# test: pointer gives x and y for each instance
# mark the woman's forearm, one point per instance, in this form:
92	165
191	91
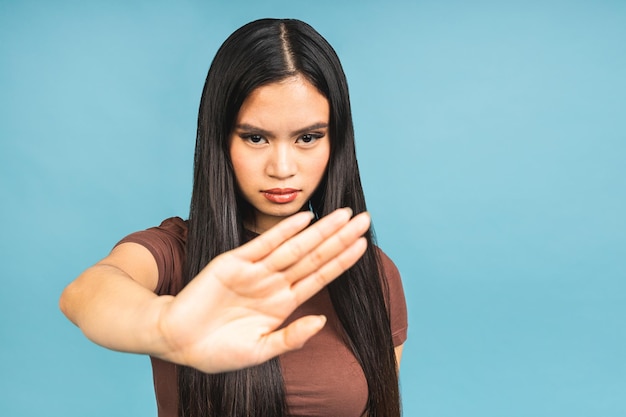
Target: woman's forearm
115	311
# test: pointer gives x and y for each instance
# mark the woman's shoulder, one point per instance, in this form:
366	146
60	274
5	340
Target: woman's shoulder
167	243
389	268
175	226
172	228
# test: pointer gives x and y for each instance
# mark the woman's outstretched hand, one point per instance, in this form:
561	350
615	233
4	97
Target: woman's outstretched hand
229	316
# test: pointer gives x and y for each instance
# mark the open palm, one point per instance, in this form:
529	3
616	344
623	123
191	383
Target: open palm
231	313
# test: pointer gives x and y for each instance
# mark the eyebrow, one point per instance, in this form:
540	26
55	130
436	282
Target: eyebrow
250	128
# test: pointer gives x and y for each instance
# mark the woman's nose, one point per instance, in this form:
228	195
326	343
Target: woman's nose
282	163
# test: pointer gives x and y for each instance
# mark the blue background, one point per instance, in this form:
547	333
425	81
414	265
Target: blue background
492	142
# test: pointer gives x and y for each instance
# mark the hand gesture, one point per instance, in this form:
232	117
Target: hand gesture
230	315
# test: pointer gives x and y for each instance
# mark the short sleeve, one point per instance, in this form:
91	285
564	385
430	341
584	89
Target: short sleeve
397	302
167	244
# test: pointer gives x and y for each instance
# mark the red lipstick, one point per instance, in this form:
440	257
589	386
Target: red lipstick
281	195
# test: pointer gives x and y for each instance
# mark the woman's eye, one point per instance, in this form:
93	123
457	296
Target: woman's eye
255	139
309	138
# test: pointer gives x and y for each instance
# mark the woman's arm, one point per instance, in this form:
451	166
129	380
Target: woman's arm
229	316
113	302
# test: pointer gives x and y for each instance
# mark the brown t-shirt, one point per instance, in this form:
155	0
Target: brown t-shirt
321	379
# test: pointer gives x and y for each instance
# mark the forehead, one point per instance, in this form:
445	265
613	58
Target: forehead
289	103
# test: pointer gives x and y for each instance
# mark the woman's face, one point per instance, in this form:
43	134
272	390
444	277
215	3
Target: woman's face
279	148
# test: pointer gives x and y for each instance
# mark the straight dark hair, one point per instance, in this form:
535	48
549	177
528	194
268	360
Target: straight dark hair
262	52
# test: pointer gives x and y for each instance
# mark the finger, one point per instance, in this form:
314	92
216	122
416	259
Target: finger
329	248
303	243
312	284
259	247
293	336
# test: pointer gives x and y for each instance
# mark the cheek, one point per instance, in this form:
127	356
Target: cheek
240	168
322	164
323	159
318	166
243	173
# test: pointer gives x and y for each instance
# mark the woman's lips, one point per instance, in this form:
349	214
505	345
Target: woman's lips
281	195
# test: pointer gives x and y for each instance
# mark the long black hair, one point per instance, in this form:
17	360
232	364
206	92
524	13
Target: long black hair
262	52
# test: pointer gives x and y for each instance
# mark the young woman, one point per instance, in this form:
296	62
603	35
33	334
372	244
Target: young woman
244	308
